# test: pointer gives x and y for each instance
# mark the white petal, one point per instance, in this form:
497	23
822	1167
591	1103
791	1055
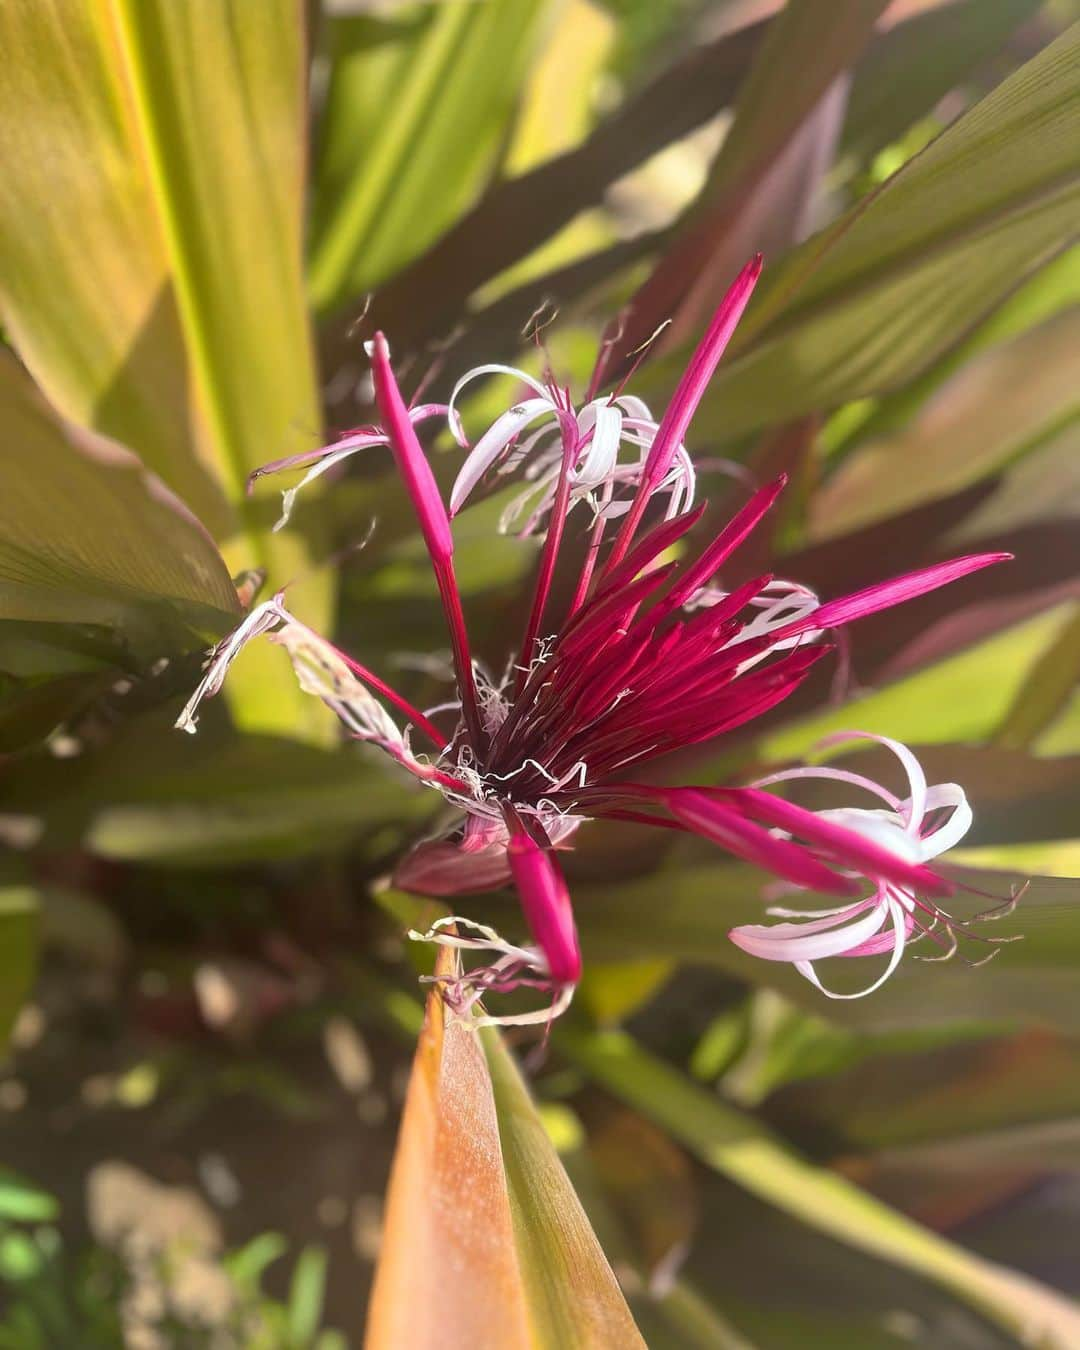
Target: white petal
896	913
492	445
602	452
912	767
350	446
948	835
452	415
809	941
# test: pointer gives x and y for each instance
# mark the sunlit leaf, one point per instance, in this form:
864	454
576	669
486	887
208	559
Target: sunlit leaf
1047	689
746	1151
480	1207
962	698
150	230
89	538
417	107
875	297
518	215
998	408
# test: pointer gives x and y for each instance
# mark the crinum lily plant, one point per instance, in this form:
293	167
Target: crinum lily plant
650	656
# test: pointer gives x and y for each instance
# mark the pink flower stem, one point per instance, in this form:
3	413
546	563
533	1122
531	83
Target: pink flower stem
549	557
459	642
684	402
434	522
391	695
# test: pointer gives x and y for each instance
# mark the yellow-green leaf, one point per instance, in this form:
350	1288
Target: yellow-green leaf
418	104
89	537
150	246
743	1149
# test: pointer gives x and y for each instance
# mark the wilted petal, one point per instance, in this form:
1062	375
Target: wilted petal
439	867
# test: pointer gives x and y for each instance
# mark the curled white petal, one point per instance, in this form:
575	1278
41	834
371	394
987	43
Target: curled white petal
492	445
493	368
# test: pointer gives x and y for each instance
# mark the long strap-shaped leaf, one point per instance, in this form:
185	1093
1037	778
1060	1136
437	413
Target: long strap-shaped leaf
485	1243
874	299
417	107
150	241
740	1147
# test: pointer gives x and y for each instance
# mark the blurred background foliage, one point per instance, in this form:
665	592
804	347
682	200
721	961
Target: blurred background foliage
204	208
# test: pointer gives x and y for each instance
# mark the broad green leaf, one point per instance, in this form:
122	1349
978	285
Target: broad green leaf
1003	405
769	169
156	795
877	296
915	64
480	1212
88	537
151	250
18	951
746	1151
518	215
963	698
1047	689
418	105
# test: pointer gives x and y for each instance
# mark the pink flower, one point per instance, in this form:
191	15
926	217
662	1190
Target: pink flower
649	658
915	830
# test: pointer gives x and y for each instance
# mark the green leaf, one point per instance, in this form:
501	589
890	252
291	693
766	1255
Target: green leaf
417	109
767	173
1005	404
88	537
915	64
1046	691
155	795
746	1151
877	296
963	698
157	294
480	1209
517	215
23	1202
307	1290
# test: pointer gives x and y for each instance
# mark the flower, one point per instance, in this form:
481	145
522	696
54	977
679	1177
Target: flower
915	830
650	657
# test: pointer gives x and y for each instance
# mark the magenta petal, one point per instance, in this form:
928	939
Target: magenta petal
684	402
847	847
699	372
848	608
409	455
731	830
726	542
441	868
545	901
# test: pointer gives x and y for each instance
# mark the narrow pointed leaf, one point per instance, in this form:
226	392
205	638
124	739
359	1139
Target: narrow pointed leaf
150	241
875	298
481	1209
89	537
417	107
741	1148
